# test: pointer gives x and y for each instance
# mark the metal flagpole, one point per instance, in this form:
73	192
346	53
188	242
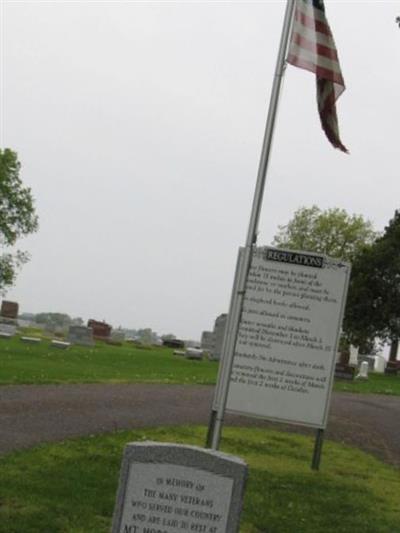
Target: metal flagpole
254	219
225	349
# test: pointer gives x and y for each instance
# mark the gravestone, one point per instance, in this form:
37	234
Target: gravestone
392	368
353	355
31	340
172	488
101	330
208	341
60	344
194	353
8	329
344	372
363	374
219	332
80	335
379	364
9	309
117	338
173	343
369	359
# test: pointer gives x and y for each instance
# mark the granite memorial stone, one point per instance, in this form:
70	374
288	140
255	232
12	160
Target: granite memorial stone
9	309
392	368
172	488
9	330
363	374
60	344
117	338
353	355
194	353
379	364
207	341
219	332
344	371
31	340
173	343
80	335
101	330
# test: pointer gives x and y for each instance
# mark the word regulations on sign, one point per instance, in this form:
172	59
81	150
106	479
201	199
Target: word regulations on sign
285	353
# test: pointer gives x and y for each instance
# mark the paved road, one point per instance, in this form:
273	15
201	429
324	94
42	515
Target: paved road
31	414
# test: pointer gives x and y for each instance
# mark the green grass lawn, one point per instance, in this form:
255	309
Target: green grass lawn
28	363
70	487
22	363
376	384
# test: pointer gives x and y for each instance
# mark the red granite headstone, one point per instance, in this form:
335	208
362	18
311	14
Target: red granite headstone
101	330
9	309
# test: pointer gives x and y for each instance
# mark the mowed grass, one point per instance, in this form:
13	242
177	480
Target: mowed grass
22	363
70	487
376	384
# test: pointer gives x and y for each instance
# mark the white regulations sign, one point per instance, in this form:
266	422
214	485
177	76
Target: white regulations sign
285	354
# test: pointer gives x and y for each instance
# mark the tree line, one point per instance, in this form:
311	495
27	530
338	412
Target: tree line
373	303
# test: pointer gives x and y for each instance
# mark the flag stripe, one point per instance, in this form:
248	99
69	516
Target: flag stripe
299	55
310	22
312	11
319	70
319	50
321	38
312	48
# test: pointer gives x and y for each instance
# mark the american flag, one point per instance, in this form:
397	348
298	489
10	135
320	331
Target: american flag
312	48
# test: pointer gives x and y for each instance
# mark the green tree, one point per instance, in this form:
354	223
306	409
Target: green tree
53	319
17	216
373	304
332	232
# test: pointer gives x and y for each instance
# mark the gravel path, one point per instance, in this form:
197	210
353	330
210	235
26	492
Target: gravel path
31	414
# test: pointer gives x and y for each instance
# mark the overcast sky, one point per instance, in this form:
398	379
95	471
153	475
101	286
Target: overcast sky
139	127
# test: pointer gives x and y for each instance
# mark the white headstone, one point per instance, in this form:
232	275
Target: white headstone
171	488
31	340
193	353
10	329
379	364
60	344
363	374
353	355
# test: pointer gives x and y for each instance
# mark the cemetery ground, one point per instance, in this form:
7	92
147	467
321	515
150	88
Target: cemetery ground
42	363
70	486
